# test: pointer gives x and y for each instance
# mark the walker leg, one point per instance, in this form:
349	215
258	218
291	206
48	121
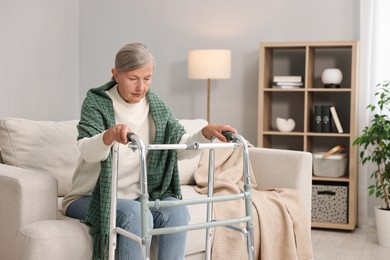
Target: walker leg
210	192
145	249
114	183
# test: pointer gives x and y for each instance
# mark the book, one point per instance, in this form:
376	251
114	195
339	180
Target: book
287	78
336	119
317	118
325	111
285	86
292	84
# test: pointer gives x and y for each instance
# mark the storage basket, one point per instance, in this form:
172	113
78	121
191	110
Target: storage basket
330	203
330	164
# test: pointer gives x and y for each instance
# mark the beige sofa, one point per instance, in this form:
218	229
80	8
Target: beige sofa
38	159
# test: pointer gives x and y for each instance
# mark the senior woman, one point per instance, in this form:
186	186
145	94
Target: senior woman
126	104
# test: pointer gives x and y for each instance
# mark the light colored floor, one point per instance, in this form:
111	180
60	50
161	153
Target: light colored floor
360	244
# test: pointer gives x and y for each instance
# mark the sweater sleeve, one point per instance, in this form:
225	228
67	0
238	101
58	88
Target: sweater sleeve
93	149
197	137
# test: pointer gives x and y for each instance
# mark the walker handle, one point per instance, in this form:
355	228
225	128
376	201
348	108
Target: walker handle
228	135
129	135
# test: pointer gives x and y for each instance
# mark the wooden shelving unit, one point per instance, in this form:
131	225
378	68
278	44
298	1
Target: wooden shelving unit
309	59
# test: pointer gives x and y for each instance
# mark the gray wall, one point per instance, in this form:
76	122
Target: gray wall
39	59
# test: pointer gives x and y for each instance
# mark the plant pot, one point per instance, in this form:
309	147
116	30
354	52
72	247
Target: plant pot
382	218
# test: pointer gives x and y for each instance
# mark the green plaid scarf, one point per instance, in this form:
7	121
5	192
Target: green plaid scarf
163	178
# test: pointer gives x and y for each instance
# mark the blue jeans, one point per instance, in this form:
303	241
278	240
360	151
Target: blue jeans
171	246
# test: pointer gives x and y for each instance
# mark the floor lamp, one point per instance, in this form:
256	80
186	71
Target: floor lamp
209	64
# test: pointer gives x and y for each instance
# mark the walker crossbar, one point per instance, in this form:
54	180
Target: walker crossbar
147	232
170	230
158	203
191	146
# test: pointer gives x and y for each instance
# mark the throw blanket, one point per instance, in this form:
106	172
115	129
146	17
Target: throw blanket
163	178
281	226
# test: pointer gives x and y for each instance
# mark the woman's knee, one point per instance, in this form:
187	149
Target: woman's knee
184	213
129	215
178	216
78	208
171	216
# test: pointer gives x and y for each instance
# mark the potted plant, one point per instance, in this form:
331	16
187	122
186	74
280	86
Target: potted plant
375	148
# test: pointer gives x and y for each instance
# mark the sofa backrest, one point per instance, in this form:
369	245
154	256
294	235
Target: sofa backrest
50	147
47	147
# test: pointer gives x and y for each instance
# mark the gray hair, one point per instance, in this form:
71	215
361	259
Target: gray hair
133	56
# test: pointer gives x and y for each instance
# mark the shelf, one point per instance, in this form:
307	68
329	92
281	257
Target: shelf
284	90
330	90
308	60
326	225
307	134
283	133
326	90
328	134
329	179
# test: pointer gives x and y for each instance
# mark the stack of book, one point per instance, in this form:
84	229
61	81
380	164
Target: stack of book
287	82
323	118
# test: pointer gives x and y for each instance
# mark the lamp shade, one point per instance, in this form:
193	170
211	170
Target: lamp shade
209	64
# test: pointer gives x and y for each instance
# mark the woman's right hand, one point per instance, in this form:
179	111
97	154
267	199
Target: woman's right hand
116	133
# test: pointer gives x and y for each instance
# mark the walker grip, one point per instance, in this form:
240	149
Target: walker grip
228	135
129	135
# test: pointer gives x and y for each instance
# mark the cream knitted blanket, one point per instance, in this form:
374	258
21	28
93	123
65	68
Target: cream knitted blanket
281	225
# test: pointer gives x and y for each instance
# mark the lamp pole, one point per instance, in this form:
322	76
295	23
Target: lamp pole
208	99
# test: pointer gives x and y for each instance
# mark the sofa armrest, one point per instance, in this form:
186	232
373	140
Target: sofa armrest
25	197
275	168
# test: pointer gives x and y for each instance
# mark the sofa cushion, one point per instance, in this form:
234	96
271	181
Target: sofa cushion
68	239
187	167
45	146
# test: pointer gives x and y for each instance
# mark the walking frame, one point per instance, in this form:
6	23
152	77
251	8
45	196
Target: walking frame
146	232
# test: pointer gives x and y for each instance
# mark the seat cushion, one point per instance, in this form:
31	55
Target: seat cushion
45	146
56	239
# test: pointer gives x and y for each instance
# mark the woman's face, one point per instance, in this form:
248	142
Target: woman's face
133	85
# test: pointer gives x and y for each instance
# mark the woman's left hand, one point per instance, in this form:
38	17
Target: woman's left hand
216	130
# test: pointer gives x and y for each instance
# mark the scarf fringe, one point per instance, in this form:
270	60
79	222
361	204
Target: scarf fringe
100	247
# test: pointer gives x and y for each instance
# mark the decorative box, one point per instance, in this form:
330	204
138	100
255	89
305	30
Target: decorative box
330	203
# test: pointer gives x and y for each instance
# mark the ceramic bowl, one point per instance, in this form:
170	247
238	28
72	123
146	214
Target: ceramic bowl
285	125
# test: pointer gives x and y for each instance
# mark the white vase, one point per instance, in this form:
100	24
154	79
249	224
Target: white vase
382	218
331	77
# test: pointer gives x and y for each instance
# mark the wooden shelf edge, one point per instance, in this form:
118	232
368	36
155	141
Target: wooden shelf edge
326	90
333	225
328	134
315	44
330	179
283	133
299	133
284	89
